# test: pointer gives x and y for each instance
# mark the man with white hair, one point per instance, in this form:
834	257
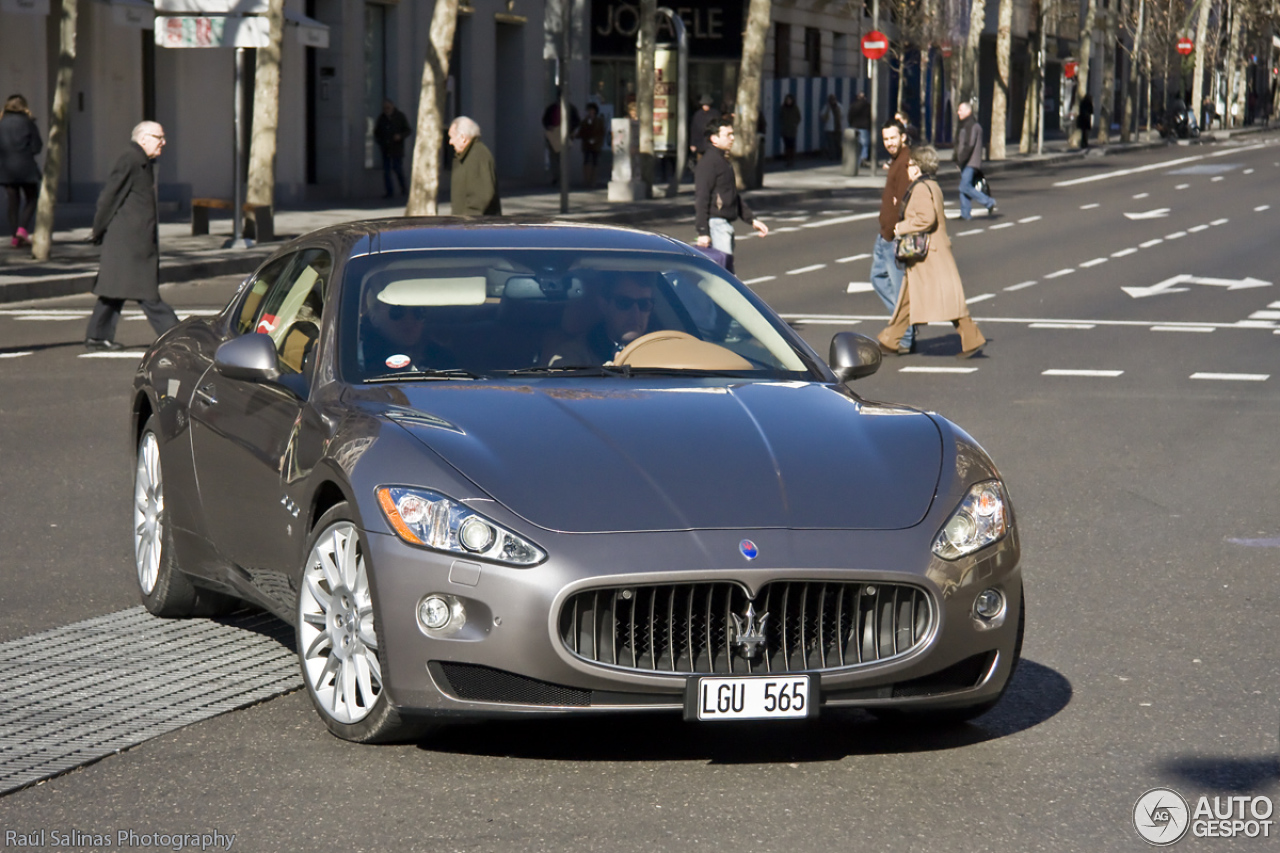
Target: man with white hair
126	225
473	183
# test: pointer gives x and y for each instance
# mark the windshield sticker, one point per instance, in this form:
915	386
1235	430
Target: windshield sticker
395	362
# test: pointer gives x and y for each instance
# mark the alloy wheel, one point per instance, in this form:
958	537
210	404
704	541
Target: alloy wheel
148	513
335	627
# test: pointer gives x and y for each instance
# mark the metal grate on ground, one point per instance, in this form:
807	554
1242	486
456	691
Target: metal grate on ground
75	694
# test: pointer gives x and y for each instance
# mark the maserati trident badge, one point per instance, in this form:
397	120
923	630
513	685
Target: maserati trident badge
749	633
748	549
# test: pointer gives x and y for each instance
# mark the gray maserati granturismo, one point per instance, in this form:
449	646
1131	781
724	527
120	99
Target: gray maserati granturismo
508	469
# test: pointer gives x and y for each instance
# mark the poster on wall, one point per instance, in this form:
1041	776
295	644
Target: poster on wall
665	91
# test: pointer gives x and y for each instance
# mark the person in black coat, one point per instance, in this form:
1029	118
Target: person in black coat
390	132
1084	119
716	203
126	225
19	174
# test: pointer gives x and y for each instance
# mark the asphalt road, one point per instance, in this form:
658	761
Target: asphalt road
1145	490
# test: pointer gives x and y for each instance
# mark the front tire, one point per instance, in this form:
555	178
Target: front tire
338	645
165	590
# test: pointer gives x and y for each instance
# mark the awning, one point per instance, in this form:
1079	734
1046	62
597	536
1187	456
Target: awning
311	33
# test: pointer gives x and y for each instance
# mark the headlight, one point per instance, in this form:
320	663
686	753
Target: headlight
981	518
423	517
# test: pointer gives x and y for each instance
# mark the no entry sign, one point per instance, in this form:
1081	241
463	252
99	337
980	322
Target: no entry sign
1186	46
875	45
1069	69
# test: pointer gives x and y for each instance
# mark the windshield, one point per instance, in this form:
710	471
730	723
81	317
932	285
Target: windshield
480	313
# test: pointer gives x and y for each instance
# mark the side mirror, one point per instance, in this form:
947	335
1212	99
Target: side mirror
853	356
249	357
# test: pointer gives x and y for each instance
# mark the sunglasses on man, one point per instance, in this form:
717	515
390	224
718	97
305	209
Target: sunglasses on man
626	303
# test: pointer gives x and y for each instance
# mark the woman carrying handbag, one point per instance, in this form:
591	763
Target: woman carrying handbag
931	289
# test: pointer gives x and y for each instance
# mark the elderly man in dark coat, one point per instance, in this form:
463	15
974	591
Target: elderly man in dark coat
126	226
473	183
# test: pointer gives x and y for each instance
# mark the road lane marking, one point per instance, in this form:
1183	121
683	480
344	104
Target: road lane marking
859	287
981	297
1182	186
1220	222
1261	208
838	319
971	231
1089	206
1060	273
1248	171
761	280
841	220
1274	305
1030	219
1233	377
1001	225
1175	235
810	268
784	230
1124	252
1196	229
938	370
1182	328
125	354
1021	286
1150	243
1094	262
1142	195
852	258
1062	326
1265	315
1106	374
1217	178
1118	173
16	354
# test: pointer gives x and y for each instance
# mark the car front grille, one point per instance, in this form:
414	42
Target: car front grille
698	627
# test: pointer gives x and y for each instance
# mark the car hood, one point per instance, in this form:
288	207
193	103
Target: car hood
629	456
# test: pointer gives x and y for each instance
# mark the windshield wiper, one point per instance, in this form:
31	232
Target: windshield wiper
572	370
426	373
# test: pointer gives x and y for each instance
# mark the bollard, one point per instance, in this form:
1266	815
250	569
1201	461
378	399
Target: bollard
851	154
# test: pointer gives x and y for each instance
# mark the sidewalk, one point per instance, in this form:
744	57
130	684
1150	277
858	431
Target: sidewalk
74	262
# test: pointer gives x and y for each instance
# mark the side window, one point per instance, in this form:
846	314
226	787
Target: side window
293	306
262	282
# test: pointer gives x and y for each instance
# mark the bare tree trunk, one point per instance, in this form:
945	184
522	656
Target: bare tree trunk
897	93
924	93
42	239
644	86
745	151
1197	81
1000	92
1030	111
969	86
935	129
1106	105
1082	71
1235	69
424	179
266	111
1131	95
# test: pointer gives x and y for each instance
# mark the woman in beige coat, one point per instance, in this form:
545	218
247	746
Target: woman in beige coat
931	290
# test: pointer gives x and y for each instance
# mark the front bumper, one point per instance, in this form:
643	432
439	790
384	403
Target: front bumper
509	657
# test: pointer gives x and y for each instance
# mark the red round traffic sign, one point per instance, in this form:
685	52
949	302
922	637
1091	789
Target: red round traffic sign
1186	46
875	44
1069	69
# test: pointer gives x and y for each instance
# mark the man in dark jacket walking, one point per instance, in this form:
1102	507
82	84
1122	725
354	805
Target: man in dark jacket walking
390	132
716	200
126	225
473	183
968	155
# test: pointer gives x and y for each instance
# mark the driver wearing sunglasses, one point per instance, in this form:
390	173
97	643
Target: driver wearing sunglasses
624	302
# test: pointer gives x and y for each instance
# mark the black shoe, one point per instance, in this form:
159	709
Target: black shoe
99	344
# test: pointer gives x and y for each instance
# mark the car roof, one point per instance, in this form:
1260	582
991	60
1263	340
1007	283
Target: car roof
401	234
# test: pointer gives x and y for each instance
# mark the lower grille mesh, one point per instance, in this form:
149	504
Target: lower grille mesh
696	628
484	684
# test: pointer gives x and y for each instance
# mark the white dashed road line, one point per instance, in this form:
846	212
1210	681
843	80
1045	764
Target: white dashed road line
1155	166
810	268
1265	315
1030	219
917	369
1147	245
1196	229
859	287
126	354
1220	222
1021	286
1093	263
761	280
1062	326
981	297
1142	195
1261	208
1217	178
1123	252
1089	206
851	258
1182	187
970	231
1248	171
1107	374
1061	273
16	354
1233	377
1175	235
1001	225
1182	328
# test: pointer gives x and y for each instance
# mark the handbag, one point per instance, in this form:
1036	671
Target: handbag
911	248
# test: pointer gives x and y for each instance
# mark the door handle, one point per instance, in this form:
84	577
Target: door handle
208	394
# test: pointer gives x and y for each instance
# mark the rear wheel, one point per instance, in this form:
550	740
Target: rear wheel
165	590
338	646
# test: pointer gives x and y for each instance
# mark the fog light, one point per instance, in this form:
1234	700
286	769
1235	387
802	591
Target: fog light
989	603
434	612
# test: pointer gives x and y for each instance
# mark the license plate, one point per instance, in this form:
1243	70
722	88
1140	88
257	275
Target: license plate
750	697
